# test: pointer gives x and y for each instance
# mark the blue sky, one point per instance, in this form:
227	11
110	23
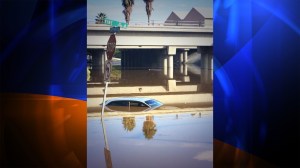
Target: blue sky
162	9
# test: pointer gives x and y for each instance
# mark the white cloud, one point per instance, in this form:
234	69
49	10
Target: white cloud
206	155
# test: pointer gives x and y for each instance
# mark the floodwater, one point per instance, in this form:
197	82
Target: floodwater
152	75
159	140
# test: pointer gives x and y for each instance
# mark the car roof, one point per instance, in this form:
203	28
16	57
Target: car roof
140	99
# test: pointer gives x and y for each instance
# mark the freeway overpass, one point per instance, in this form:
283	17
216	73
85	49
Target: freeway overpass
151	36
153	45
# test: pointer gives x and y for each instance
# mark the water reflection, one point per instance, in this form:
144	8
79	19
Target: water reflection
151	141
128	123
186	74
107	154
196	114
149	127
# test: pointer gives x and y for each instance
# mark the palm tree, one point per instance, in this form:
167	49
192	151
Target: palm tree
149	127
127	4
128	123
100	18
148	9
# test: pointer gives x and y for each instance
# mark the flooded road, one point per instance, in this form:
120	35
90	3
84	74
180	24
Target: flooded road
138	67
140	77
159	140
174	135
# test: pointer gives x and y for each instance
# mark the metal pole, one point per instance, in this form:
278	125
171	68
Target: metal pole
107	154
104	98
104	133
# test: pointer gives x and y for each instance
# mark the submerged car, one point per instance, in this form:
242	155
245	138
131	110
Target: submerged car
131	104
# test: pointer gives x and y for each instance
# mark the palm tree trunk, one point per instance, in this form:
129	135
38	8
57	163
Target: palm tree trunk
127	4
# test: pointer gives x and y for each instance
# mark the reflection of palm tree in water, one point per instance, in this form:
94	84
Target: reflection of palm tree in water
149	127
128	123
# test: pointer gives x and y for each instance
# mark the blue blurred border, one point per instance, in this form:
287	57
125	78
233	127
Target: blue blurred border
42	83
256	77
43	47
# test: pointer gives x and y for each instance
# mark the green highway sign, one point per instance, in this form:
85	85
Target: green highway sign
114	23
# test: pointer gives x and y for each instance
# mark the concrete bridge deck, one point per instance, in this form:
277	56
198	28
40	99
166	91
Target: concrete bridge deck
151	36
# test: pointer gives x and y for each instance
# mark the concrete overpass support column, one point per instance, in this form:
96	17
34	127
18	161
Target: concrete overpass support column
181	57
96	71
206	68
170	67
183	67
171	82
210	62
201	52
103	60
181	63
165	66
206	57
184	77
185	70
185	56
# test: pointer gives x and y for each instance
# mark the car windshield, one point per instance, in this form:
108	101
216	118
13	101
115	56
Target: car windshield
153	103
118	103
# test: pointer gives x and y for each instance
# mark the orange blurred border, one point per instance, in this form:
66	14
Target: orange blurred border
42	131
226	155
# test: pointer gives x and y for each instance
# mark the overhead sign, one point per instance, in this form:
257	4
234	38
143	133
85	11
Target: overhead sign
108	67
114	30
114	23
111	47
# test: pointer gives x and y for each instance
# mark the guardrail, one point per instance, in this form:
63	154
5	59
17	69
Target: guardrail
161	23
183	23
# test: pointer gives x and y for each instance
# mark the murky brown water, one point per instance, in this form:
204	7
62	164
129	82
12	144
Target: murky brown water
152	77
168	141
182	140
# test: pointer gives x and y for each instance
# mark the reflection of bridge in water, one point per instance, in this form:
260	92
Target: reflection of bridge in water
167	63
